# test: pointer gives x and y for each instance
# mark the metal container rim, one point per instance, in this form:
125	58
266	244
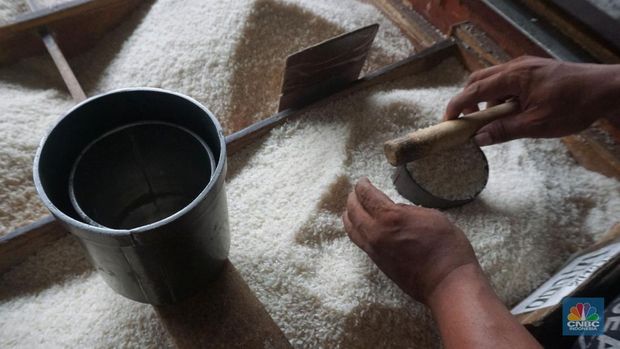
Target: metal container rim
437	201
219	169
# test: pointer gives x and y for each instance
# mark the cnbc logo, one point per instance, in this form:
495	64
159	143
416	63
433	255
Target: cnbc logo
583	316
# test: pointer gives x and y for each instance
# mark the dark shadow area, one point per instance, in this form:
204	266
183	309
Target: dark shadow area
313	236
396	114
332	204
89	66
335	199
52	265
271	33
380	326
39	71
238	160
448	72
33	73
226	314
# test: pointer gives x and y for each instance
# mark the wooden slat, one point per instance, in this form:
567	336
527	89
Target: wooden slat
573	30
77	26
43	16
59	59
592	154
585	24
420	33
473	40
446	13
63	67
16	246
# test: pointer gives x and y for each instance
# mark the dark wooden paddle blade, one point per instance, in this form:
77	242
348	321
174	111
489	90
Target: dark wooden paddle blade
318	71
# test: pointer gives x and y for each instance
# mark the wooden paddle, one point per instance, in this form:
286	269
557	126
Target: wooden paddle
324	68
444	135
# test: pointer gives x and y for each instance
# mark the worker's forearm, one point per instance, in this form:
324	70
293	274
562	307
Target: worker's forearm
470	315
611	74
602	86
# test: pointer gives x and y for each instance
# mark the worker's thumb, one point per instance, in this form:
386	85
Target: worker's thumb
499	131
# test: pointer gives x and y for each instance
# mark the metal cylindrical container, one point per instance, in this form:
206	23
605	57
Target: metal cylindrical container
137	175
413	191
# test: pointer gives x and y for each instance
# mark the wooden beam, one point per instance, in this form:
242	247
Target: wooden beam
592	153
585	24
417	29
16	246
472	40
42	16
59	59
77	25
445	14
63	67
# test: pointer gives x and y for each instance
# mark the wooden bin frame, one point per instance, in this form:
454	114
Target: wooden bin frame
481	40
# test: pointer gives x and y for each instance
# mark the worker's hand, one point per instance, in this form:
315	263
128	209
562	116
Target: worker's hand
416	247
556	98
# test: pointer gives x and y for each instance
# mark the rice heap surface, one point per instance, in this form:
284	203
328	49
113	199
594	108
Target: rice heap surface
610	7
11	8
287	191
458	173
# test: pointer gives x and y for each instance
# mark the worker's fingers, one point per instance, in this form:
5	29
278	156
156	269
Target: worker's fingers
503	130
372	199
494	102
470	110
484	73
354	234
359	218
494	87
348	226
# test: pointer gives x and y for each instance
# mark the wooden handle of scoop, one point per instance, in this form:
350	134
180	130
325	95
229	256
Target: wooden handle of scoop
447	134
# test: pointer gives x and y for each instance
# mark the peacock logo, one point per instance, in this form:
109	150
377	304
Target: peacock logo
583	316
583	312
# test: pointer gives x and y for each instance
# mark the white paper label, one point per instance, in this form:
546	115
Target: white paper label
567	280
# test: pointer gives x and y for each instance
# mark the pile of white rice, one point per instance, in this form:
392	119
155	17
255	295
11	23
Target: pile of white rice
287	191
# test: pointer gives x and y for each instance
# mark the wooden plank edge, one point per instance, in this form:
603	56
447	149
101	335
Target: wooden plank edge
474	41
49	15
412	25
63	67
588	25
446	13
477	49
16	246
67	75
592	155
573	30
